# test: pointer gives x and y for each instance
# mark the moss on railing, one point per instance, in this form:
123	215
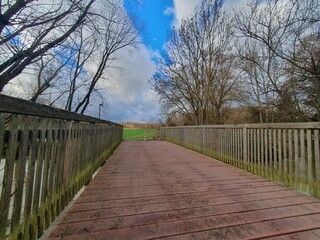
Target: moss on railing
44	162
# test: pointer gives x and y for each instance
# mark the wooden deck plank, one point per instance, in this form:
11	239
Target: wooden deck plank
156	190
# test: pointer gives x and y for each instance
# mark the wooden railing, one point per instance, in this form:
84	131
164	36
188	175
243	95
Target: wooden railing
288	153
46	157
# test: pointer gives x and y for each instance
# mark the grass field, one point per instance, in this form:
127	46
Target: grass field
138	134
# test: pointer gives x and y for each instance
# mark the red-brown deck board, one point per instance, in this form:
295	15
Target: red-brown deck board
158	190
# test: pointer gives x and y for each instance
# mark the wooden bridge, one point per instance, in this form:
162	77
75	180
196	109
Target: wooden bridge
156	189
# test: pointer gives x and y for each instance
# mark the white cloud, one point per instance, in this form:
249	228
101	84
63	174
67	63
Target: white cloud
183	9
128	93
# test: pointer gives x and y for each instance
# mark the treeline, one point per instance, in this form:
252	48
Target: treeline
56	52
259	63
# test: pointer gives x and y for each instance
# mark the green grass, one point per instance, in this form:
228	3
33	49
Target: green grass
138	134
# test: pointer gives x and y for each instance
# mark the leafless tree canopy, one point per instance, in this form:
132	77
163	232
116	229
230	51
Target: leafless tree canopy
195	78
30	28
68	45
261	63
280	56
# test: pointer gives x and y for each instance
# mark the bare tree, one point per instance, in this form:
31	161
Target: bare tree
115	31
84	45
48	70
68	73
303	86
30	28
195	77
282	26
287	31
262	75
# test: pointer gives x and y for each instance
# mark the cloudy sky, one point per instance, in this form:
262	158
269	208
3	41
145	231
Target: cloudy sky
129	96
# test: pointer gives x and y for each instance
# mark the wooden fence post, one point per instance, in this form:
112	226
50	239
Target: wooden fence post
245	147
203	139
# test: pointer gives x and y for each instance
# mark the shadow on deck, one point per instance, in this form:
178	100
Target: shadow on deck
158	190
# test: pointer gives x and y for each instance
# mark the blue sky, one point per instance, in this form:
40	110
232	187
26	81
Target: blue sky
155	17
129	96
158	16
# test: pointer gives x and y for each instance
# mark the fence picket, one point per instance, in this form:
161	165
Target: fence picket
317	163
302	161
310	166
279	166
296	158
46	161
288	153
285	156
7	182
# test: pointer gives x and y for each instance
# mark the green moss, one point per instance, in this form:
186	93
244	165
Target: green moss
33	225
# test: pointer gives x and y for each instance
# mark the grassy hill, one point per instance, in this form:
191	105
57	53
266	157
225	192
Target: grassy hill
139	134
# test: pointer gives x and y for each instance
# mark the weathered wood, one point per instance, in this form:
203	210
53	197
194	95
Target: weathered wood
290	157
285	156
27	231
252	167
295	125
296	158
255	152
259	151
309	162
233	146
270	172
8	177
266	155
280	152
20	165
19	106
287	152
38	181
273	160
302	161
245	148
238	147
2	132
229	146
43	219
317	162
47	161
184	196
203	139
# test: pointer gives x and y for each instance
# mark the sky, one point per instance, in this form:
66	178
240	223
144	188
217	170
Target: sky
129	97
127	94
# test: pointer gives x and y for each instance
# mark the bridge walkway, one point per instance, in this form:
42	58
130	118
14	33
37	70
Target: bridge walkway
158	190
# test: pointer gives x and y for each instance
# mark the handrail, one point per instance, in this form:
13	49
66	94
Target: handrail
46	156
297	125
23	107
284	152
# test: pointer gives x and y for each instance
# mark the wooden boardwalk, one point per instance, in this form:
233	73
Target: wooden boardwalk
158	190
